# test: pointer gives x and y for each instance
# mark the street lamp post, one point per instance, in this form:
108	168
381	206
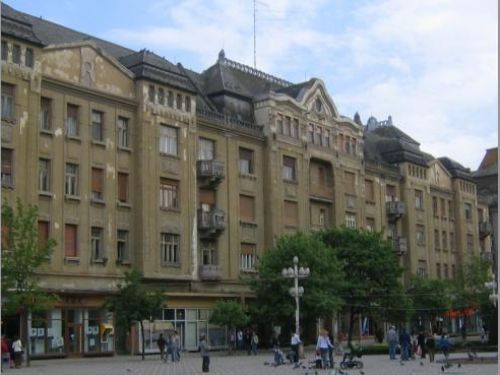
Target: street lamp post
296	273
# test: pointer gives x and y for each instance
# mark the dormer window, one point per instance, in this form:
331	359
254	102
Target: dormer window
318	105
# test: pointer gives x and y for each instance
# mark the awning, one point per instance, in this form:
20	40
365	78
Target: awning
106	328
158	325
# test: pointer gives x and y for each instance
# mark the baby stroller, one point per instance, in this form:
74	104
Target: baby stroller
348	360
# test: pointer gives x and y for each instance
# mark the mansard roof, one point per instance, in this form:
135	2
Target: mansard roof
47	32
239	79
147	64
18	29
456	169
297	91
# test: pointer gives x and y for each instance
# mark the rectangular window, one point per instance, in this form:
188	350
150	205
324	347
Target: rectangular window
322	218
247	260
390	193
206	149
420	234
151	93
97	187
16	54
468	211
291	214
436	239
8	101
443	207
247	208
295	128
317	135
326	138
206	198
470	242
419	199
208	253
5	50
289	169
45	113
310	133
70	241
97	126
187	104
435	206
178	101
96	241
122	245
370	224
71	180
72	120
350	220
44	175
453	271
287	126
279	123
29	58
422	268
452	241
480	215
168	140
246	161
169	193
451	211
446	275
7	167
169	248
123	187
161	96
444	239
170	99
438	270
43	232
349	182
369	191
123	132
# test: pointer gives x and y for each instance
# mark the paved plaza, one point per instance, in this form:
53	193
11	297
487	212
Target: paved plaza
240	364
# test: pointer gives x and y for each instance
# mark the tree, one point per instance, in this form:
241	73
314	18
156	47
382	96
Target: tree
134	303
273	302
373	273
22	256
230	314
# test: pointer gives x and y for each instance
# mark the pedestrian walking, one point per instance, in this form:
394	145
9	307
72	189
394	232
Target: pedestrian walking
405	342
239	339
444	345
176	346
323	345
248	341
294	343
161	345
421	344
430	343
392	341
5	354
204	353
254	342
331	350
17	348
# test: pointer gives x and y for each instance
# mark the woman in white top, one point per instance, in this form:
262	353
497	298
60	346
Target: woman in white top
17	348
323	345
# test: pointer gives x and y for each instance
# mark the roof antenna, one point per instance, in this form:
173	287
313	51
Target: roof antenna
254	39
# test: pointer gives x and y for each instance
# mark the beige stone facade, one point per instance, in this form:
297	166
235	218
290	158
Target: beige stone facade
163	171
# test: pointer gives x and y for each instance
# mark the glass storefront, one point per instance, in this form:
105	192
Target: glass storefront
70	331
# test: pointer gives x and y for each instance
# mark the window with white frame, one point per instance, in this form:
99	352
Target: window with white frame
169	248
43	175
420	234
248	256
72	120
169	193
8	101
168	140
208	253
246	161
71	180
122	245
97	126
123	132
45	113
206	149
350	220
97	243
419	199
289	168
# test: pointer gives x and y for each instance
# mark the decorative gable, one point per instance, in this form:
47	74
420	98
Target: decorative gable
317	101
86	65
439	176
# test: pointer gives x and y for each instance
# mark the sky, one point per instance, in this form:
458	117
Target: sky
430	64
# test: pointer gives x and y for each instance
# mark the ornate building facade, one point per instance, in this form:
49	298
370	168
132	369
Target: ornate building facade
138	163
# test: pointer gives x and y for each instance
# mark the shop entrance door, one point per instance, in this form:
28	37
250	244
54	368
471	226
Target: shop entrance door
74	339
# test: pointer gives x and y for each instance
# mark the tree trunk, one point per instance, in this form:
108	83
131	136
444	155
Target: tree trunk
143	342
26	335
351	327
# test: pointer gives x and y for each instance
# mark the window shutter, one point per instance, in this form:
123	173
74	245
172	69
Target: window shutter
97	183
43	232
7	89
291	213
6	161
349	180
207	197
72	111
247	248
122	187
247	208
70	240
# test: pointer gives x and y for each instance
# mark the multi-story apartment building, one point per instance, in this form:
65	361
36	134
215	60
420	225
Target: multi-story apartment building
137	163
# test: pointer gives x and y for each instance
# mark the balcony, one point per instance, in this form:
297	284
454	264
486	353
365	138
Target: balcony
209	272
400	245
211	222
210	172
395	210
485	229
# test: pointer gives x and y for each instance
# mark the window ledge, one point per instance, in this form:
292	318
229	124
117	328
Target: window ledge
101	261
98	143
248	223
170	209
125	149
123	205
98	201
74	198
249	176
251	271
173	265
11	120
72	259
293	182
371	203
123	262
74	138
46	194
172	156
47	132
8	186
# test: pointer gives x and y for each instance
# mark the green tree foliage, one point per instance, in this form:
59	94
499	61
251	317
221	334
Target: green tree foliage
230	314
134	303
430	297
22	256
372	270
323	287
